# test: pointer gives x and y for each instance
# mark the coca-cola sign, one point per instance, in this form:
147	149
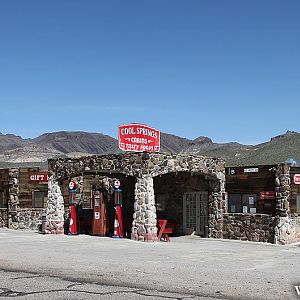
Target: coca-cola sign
139	138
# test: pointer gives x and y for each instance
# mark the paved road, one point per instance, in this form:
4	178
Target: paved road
186	266
33	286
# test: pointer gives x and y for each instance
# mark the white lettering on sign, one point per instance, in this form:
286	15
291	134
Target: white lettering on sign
251	170
139	130
38	177
139	138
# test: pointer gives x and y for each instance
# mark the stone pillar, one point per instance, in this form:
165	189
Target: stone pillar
13	200
144	217
282	218
55	208
216	207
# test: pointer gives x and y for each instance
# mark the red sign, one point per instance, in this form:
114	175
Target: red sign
267	195
297	178
38	177
139	138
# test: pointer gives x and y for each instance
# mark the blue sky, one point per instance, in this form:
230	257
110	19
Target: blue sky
229	70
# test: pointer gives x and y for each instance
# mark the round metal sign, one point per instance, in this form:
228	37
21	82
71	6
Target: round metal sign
72	185
117	183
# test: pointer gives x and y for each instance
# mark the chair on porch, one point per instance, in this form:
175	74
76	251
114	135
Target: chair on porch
165	227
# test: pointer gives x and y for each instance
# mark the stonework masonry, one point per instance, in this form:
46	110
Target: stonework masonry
30	219
249	227
287	226
55	208
143	166
17	218
144	218
3	218
13	198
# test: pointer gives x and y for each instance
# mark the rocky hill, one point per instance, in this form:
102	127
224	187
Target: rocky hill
14	150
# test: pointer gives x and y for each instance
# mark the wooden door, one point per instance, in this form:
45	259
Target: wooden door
195	212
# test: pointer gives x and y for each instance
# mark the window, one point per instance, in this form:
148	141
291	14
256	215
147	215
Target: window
3	201
235	203
38	199
242	203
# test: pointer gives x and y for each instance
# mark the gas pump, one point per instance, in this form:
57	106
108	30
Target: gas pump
73	214
99	226
73	220
118	223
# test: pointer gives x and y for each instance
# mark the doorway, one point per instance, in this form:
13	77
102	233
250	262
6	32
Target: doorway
195	212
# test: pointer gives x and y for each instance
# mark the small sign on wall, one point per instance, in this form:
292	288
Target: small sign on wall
267	195
38	177
251	200
297	178
245	209
251	170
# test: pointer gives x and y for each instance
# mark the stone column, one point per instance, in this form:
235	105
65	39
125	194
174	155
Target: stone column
55	208
282	218
216	207
144	217
13	200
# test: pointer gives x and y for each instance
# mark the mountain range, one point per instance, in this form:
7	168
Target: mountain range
16	151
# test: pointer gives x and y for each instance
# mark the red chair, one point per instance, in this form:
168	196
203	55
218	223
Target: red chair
164	228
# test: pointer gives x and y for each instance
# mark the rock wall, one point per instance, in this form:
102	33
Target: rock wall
144	218
217	206
30	219
287	230
294	229
3	217
249	227
13	198
55	208
282	188
136	164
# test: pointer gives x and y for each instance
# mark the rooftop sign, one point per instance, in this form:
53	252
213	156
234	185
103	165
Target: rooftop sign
139	138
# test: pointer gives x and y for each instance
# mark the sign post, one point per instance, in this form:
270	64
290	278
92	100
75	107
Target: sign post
139	138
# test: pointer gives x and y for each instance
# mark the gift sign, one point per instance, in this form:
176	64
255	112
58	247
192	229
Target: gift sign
139	138
38	177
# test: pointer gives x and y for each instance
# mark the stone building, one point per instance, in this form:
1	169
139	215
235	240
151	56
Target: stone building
260	203
23	197
190	189
263	204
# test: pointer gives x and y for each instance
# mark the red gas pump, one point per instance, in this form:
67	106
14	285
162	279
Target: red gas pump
73	220
118	223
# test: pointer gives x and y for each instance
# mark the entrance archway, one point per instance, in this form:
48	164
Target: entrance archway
183	198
